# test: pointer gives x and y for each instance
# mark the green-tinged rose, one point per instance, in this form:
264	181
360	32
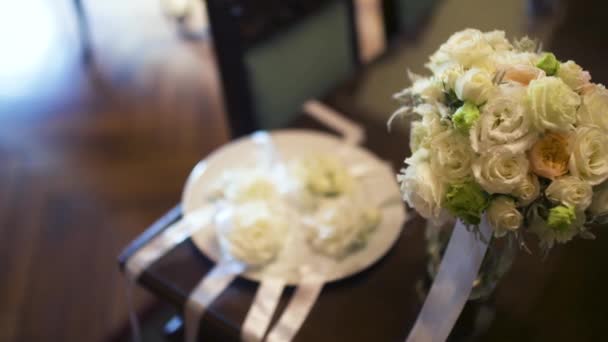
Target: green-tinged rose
474	85
465	117
467	201
594	109
324	176
552	104
561	217
548	63
589	154
573	75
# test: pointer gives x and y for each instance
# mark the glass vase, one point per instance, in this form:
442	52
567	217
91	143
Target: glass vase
498	260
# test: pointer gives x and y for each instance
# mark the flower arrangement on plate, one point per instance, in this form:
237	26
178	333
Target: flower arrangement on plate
503	130
280	205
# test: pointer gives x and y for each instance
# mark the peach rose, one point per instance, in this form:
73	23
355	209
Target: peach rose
522	73
549	156
587	88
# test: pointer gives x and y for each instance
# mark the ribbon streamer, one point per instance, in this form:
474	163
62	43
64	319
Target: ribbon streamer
216	280
261	311
207	290
452	286
299	307
156	248
164	242
351	132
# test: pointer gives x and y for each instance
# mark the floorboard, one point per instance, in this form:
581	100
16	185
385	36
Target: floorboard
88	159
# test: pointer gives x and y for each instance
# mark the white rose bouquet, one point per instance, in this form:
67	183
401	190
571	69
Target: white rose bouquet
509	132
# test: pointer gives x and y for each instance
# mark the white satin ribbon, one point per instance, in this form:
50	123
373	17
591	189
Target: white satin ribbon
207	290
299	307
351	132
262	309
452	286
165	241
156	248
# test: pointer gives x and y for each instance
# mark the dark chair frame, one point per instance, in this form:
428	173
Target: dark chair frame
230	48
393	30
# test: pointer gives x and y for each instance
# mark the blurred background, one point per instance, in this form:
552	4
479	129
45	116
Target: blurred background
105	106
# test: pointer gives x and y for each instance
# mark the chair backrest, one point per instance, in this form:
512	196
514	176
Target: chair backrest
275	55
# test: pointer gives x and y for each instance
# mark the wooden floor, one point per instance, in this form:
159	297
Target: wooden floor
88	159
89	156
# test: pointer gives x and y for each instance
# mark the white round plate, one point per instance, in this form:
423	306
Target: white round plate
379	187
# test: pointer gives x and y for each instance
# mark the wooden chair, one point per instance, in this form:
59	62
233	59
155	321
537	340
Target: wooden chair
273	55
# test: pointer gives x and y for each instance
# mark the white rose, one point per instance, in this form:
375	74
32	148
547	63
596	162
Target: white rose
500	170
599	204
504	121
506	59
497	40
341	227
439	62
589	154
251	232
573	75
426	110
594	110
324	175
552	104
419	136
571	191
525	44
451	156
429	124
422	189
243	185
450	74
504	216
466	47
527	191
475	85
432	115
429	89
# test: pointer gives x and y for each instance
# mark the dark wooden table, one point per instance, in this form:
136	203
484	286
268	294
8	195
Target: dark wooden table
562	298
389	288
